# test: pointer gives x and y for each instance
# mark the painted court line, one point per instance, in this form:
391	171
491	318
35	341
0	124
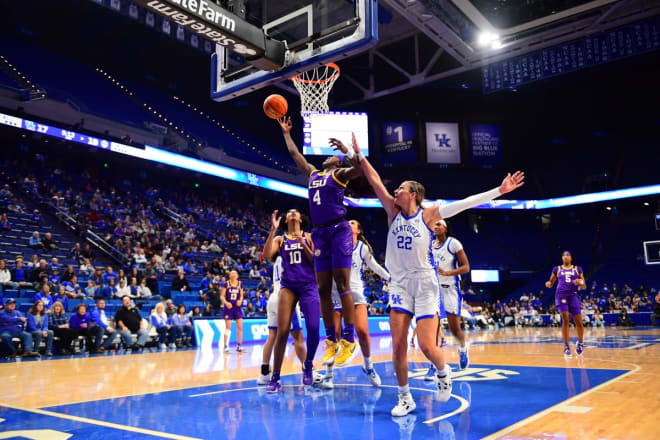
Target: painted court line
573	409
634	347
101	423
547	411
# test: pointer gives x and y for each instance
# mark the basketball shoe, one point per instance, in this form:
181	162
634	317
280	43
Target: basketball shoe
347	351
331	351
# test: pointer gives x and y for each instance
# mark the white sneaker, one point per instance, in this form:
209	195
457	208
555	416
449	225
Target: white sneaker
162	346
374	378
227	349
327	382
263	379
172	345
405	406
444	385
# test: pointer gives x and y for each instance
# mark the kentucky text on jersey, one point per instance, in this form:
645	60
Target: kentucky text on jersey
410	229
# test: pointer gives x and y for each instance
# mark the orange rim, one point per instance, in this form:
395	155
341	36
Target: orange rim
334	76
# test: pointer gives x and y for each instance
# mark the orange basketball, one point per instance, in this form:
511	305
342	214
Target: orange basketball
275	106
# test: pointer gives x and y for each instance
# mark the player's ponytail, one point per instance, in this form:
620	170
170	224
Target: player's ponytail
362	238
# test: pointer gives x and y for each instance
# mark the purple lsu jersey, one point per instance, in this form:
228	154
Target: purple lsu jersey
326	197
565	279
296	268
233	293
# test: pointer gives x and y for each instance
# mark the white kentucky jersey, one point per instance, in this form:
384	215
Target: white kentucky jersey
444	258
277	273
362	257
409	247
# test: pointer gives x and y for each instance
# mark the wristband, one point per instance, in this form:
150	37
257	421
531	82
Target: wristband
360	156
350	154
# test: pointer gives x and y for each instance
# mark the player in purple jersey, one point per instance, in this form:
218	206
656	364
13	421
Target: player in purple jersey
333	243
232	299
571	279
298	285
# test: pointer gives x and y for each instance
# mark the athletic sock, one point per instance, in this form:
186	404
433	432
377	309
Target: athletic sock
265	369
328	370
404	389
348	333
275	377
443	373
330	334
367	363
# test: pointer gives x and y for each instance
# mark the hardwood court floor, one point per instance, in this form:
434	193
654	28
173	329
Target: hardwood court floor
519	386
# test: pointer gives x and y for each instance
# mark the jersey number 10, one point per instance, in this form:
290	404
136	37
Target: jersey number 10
295	257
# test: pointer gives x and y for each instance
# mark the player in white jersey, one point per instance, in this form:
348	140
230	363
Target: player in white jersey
414	286
271	313
362	256
451	262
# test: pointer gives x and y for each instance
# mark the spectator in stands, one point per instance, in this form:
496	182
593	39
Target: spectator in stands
109	274
5	192
109	290
143	290
195	312
129	321
100	319
180	283
87	252
598	320
98	277
624	318
171	266
161	323
190	267
36	217
249	311
12	323
182	326
33	263
61	296
54	263
5	225
260	303
76	253
55	277
20	275
123	290
170	309
5	277
35	241
82	322
134	288
44	296
254	273
37	325
86	268
16	206
655	316
72	288
150	276
48	244
58	322
139	258
90	290
68	273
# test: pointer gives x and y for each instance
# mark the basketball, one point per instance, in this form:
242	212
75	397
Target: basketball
275	106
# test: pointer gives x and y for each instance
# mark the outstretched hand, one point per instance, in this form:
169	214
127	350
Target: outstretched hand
356	147
275	220
512	182
338	145
285	124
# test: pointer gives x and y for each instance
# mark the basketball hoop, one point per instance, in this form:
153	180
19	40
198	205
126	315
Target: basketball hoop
314	87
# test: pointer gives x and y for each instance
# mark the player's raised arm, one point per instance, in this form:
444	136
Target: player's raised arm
376	183
511	182
305	167
346	174
272	245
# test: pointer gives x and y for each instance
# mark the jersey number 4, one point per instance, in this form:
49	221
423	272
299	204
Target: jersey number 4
317	197
404	242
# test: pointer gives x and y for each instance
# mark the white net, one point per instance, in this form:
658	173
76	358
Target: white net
314	87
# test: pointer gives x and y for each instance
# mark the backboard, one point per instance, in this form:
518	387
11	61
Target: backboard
315	33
